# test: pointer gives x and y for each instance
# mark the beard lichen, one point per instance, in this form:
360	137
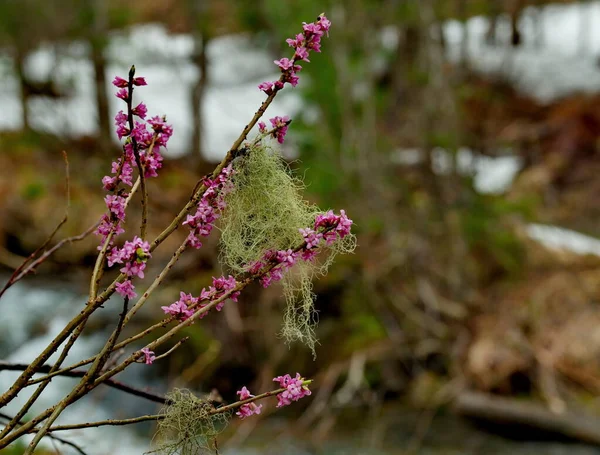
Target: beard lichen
188	426
264	212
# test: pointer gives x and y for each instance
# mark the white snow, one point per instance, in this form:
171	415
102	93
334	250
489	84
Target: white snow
558	56
491	174
232	97
564	239
26	307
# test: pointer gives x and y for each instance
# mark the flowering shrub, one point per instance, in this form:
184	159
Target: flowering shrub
251	182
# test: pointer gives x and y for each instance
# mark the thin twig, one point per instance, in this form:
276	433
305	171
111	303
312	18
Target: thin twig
6	366
31	267
136	153
23	270
157	281
170	351
224	163
51	436
146	418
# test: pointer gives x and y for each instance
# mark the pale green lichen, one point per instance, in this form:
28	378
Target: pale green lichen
265	212
188	427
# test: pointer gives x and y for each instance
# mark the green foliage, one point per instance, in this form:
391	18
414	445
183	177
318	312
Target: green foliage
33	190
484	230
188	427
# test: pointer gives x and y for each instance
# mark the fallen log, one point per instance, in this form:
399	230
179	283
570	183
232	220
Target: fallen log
582	427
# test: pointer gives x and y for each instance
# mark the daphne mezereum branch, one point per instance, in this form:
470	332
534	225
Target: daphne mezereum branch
136	154
99	300
56	438
151	417
224	163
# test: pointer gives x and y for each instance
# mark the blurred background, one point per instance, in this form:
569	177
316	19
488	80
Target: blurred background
461	136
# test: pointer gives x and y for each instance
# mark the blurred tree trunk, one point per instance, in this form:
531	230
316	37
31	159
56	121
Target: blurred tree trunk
464	45
20	55
199	20
98	44
494	9
584	28
515	9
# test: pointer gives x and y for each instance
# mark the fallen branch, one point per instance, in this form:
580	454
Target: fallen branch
582	427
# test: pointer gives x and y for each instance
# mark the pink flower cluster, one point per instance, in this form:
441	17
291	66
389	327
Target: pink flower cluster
328	227
149	356
202	222
184	308
122	169
280	127
334	227
303	43
248	409
285	259
133	255
295	389
181	308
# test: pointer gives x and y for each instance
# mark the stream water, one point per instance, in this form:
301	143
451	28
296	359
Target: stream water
33	312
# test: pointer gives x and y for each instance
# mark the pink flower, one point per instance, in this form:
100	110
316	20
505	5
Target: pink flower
312	29
262	127
139	81
309	255
324	23
344	225
285	63
311	238
126	289
301	54
119	82
297	42
152	163
140	110
295	389
149	356
180	309
122	130
222	285
293	80
287	258
202	222
116	205
134	268
248	409
281	123
275	274
256	267
266	87
120	118
123	94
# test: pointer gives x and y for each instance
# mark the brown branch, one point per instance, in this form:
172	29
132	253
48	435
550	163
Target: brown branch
31	268
7	366
23	270
146	418
224	163
51	436
136	153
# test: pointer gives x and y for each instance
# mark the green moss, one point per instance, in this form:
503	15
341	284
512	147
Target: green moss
188	428
265	212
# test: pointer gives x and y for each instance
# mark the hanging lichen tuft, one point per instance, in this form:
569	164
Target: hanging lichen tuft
188	427
264	212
